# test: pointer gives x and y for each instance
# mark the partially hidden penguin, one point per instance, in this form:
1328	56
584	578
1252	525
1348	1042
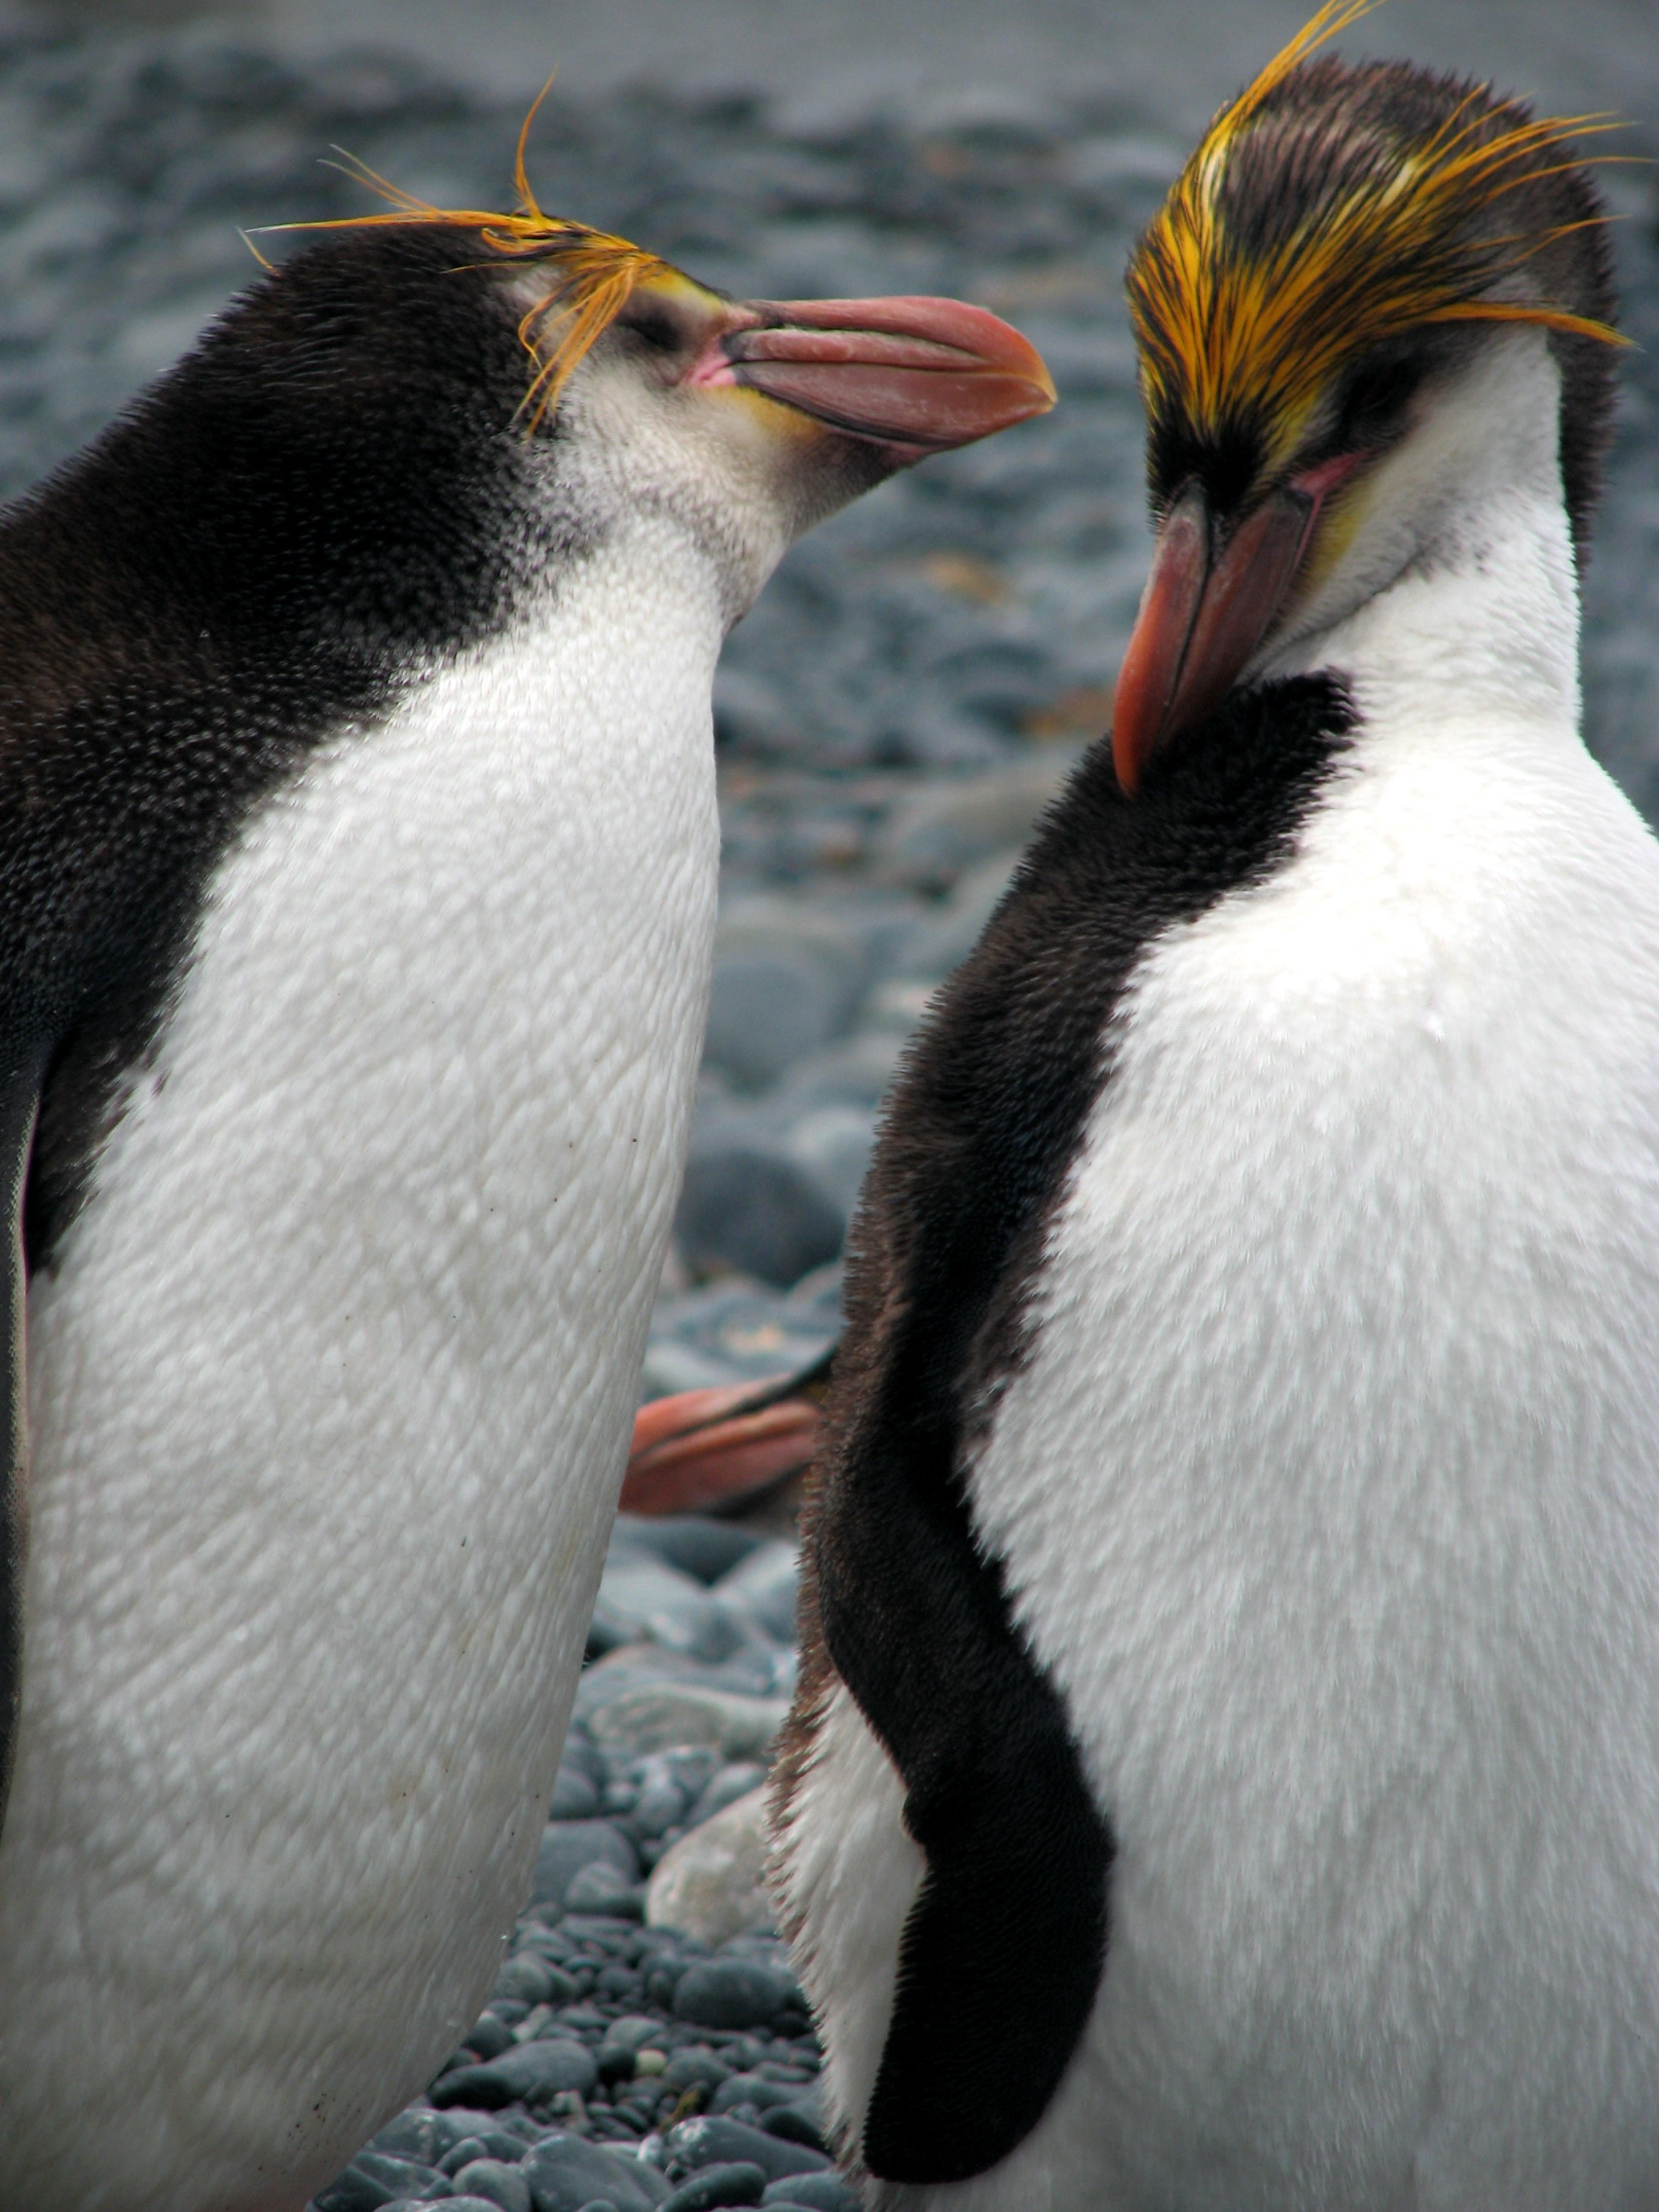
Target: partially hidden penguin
359	843
1225	1776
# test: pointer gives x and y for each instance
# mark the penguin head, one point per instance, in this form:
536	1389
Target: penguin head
1369	291
752	420
605	381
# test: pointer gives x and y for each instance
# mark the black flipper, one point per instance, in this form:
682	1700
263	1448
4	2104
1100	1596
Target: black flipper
17	1107
1002	1957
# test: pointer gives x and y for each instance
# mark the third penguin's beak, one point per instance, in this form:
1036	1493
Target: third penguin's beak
916	376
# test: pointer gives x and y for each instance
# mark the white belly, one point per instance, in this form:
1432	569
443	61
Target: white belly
1331	1497
1329	1494
328	1399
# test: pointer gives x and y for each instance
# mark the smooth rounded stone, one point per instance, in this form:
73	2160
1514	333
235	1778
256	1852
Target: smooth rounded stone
948	827
757	1211
494	2181
533	1980
624	2040
725	1788
631	1667
695	2065
659	1807
575	1796
855	1073
530	2072
717	2185
421	2134
489	2035
568	1846
704	2142
731	1993
757	2090
661	1716
762	1588
833	1144
485	2142
769	1008
800	2120
712	1885
599	1888
375	2178
644	1599
786	977
812	2193
693	1542
567	2174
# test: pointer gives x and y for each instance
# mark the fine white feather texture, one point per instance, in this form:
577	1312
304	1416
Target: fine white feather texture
1330	1493
329	1397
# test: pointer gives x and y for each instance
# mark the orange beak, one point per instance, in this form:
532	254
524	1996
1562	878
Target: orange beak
713	1450
916	375
1208	603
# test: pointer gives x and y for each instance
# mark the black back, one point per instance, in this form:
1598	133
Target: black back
1002	1956
325	498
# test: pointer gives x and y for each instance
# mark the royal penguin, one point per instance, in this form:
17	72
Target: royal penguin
358	842
1225	1776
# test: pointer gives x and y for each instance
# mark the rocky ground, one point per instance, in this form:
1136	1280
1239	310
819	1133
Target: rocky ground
909	693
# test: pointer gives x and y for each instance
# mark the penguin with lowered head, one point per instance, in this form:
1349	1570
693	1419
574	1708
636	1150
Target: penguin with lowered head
1225	1776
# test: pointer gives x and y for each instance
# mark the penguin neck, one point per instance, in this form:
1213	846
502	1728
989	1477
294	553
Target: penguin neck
1479	620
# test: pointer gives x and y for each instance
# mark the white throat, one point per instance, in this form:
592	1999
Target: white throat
1457	597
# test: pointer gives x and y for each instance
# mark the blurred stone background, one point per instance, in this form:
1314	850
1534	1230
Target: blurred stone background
921	673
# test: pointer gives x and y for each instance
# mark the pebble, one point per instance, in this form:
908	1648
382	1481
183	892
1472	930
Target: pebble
712	1882
698	2143
652	1717
761	1589
705	1549
567	2174
717	2186
530	2073
731	1993
569	1846
374	2178
727	1786
812	2193
755	1210
494	2181
645	1599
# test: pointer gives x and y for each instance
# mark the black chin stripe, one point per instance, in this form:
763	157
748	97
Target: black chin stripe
1003	1954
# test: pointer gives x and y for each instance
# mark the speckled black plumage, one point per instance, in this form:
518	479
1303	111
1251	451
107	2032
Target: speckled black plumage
1002	1957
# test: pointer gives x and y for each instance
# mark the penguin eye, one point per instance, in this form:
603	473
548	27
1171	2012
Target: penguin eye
653	326
1375	397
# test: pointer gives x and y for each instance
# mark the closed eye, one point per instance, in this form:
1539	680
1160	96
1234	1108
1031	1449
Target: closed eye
1372	408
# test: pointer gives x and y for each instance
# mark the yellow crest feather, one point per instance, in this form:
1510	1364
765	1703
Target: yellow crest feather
1231	327
595	273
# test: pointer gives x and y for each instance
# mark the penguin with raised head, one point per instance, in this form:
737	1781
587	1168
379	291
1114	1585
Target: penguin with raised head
1225	1771
358	844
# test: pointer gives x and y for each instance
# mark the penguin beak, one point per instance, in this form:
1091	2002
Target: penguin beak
916	376
1209	603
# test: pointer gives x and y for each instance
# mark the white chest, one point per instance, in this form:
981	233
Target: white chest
1329	1496
329	1395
